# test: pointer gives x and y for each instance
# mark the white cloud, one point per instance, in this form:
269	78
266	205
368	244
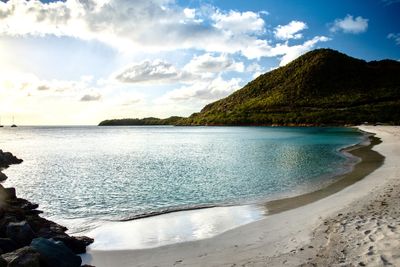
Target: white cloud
31	84
213	64
200	68
190	13
238	22
292	52
395	37
284	50
350	25
290	31
203	91
149	71
145	26
255	69
125	24
131	25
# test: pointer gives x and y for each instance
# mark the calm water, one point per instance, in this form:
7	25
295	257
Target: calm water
85	175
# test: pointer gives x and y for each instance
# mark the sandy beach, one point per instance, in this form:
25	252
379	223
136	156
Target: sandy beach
356	226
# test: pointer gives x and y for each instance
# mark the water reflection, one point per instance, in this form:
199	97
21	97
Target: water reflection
172	227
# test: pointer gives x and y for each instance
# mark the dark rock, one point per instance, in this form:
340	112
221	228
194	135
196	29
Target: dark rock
6	193
20	232
76	244
23	257
10	193
45	228
22	204
55	253
6	159
3	262
33	212
7	245
4	221
3	177
30	206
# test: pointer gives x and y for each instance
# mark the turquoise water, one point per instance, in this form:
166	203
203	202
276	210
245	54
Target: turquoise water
81	176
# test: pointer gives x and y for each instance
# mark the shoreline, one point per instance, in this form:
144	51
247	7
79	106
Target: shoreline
265	237
370	160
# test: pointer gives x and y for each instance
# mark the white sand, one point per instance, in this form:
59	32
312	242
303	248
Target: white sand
282	238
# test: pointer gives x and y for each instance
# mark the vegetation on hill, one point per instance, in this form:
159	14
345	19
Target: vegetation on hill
145	121
321	87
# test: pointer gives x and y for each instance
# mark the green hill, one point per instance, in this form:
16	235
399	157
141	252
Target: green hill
321	87
145	121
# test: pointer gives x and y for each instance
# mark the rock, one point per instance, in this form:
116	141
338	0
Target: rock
6	159
55	253
7	193
45	228
23	204
76	244
23	257
7	245
20	232
4	221
3	262
10	193
30	206
3	177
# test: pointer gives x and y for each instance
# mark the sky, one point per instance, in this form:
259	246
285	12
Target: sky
78	62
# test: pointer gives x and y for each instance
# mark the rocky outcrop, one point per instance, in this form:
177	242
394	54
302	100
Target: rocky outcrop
55	253
27	239
23	257
6	159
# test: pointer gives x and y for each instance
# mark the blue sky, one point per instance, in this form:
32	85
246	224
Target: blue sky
79	62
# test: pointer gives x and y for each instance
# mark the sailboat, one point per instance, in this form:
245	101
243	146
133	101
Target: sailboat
13	124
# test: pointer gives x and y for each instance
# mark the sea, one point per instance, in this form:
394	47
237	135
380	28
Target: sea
200	181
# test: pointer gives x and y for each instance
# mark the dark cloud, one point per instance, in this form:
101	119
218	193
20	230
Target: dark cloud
91	97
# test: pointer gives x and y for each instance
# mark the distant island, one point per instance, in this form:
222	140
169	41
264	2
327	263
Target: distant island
145	121
322	87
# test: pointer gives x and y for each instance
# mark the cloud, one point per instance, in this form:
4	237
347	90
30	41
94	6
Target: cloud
149	71
91	97
43	87
285	51
350	25
292	52
213	64
395	37
200	68
31	84
205	91
131	101
389	2
190	13
151	25
238	22
147	26
255	69
290	31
